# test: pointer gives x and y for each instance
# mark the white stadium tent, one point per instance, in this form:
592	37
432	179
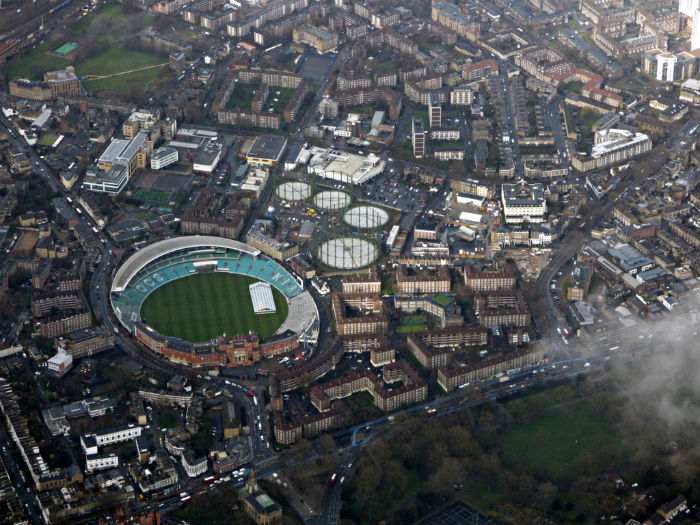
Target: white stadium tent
261	295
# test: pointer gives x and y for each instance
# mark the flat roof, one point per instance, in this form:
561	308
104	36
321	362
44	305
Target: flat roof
267	147
418	125
134	146
114	150
523	194
150	253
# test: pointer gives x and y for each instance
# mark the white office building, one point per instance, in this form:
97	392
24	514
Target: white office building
163	157
95	462
617	145
688	7
695	35
60	363
117	164
523	202
343	166
194	467
108	436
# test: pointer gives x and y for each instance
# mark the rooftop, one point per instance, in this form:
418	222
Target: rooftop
115	149
61	75
609	140
268	147
523	194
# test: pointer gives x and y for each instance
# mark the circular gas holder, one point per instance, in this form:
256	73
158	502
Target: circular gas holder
332	200
294	191
366	217
347	253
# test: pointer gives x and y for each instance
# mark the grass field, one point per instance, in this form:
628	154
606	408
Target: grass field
443	299
410	328
242	96
47	139
206	305
35	64
101	37
116	60
283	98
138	81
554	442
151	196
364	110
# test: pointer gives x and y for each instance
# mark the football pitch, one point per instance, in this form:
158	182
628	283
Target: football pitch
207	305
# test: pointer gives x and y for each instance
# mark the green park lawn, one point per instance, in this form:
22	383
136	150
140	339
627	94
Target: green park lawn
242	96
116	60
35	64
555	442
102	36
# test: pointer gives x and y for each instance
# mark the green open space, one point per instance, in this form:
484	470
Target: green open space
112	23
35	64
481	497
207	305
362	407
421	114
573	87
363	110
242	96
414	319
99	43
386	65
151	196
285	95
587	117
410	328
136	81
117	60
47	139
443	300
556	441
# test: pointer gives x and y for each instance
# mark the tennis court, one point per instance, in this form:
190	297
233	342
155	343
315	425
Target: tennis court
66	49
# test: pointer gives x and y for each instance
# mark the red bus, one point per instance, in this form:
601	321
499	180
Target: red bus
250	393
333	479
209	480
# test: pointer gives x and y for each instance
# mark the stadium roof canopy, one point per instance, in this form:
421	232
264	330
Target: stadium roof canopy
152	252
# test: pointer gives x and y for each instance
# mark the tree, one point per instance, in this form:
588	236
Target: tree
545	495
326	442
448	478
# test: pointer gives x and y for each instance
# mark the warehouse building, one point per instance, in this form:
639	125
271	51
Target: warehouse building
266	151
